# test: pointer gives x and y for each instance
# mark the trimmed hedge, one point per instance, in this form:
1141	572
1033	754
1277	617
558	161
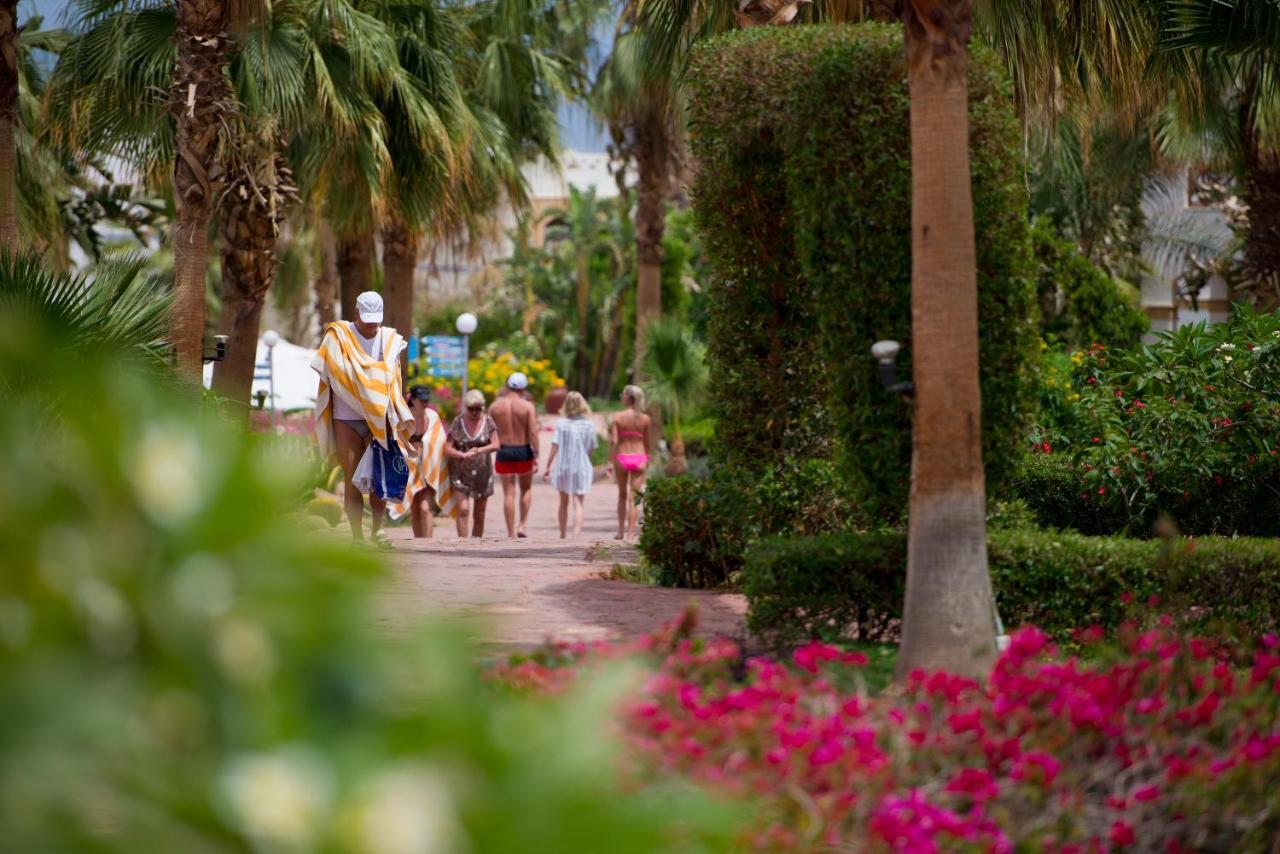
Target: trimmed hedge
697	531
851	585
1057	494
803	196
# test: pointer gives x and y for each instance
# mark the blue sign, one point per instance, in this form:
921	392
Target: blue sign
446	355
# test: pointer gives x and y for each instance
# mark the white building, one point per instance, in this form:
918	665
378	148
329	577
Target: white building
459	271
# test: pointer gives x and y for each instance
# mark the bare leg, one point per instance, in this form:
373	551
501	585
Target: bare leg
620	476
578	511
350	449
420	513
509	502
379	508
463	504
477	516
526	501
637	485
563	514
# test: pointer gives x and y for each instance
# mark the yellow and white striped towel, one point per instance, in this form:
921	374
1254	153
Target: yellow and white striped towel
374	388
428	468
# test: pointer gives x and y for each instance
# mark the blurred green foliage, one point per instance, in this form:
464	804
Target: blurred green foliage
184	669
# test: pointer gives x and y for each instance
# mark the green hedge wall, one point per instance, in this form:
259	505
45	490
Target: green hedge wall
697	531
803	196
851	585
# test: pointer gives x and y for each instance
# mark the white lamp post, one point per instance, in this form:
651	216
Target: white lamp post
465	324
271	338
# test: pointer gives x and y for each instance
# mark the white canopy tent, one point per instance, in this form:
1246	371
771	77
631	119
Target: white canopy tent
296	384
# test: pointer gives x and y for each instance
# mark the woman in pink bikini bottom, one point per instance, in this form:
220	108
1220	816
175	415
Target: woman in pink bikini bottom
629	447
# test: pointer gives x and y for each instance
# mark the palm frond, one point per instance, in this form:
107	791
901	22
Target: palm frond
1177	234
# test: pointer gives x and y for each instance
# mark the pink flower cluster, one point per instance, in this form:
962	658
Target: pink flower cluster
1157	741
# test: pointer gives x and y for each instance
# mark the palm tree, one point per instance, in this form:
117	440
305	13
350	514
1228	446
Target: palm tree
200	99
117	308
675	364
1223	59
102	99
10	52
949	621
584	227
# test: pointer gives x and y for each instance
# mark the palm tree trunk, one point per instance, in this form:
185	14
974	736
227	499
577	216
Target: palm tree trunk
355	270
199	100
326	285
583	275
251	218
948	621
400	249
9	34
1262	195
653	165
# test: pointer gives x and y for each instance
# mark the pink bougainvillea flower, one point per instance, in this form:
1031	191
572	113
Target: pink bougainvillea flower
1122	834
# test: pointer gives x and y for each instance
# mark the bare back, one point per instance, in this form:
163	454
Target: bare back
631	432
517	420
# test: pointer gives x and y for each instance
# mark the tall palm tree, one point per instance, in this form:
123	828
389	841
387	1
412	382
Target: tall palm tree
95	103
1224	57
949	621
10	51
200	100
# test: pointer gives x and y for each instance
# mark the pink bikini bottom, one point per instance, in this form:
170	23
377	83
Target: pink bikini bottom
633	462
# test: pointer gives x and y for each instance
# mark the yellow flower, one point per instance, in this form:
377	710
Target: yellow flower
1077	358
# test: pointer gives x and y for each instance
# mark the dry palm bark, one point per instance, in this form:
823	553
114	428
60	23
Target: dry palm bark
252	209
1261	174
10	32
652	151
200	99
355	270
326	285
400	249
948	621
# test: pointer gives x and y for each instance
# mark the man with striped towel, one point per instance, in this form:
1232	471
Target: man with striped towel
361	401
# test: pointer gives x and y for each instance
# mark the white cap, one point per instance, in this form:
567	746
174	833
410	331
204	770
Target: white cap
518	381
369	307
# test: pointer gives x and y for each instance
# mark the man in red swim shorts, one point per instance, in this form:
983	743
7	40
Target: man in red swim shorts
517	459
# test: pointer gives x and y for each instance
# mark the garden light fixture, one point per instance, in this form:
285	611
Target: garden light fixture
271	338
465	324
219	350
886	353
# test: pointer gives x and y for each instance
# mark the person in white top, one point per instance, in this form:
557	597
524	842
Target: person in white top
569	467
351	432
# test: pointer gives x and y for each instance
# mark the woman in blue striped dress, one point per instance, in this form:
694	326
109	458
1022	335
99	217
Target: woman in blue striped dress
569	466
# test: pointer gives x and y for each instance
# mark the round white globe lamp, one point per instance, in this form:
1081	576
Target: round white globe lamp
466	323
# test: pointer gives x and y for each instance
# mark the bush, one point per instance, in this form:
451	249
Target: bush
832	587
803	195
844	584
1186	425
696	531
1079	303
1063	494
184	670
1158	742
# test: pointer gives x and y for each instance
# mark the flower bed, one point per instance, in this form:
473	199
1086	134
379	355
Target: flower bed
1162	741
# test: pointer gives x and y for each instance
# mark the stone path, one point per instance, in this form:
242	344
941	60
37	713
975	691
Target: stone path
517	593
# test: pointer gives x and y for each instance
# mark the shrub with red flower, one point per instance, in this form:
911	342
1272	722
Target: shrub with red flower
1160	740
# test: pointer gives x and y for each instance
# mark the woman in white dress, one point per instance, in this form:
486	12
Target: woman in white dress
569	466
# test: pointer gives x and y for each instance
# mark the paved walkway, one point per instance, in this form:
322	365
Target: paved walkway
517	593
